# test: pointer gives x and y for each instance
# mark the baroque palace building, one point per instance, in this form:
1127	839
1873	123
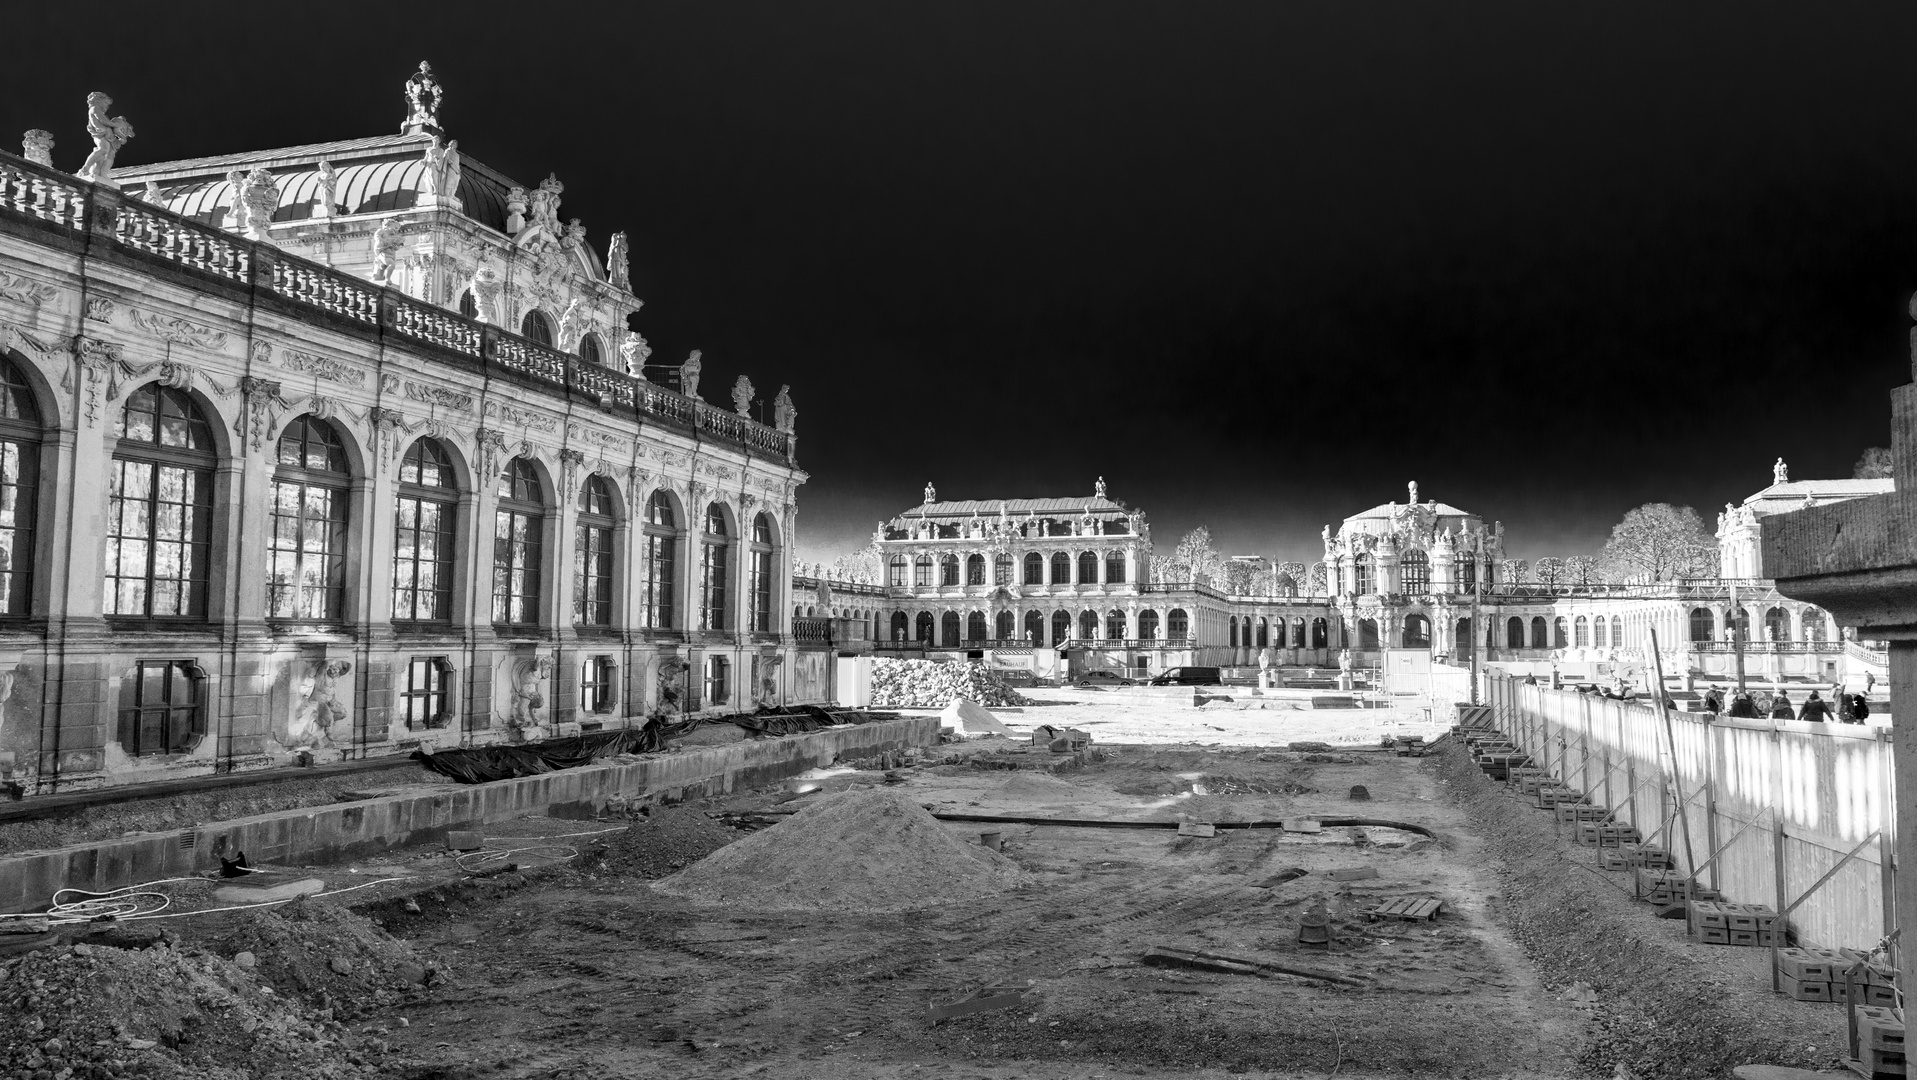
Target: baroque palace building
345	450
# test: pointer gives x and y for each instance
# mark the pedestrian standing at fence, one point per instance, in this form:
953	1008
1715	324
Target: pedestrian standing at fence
1844	713
1742	707
1713	701
1815	709
1781	707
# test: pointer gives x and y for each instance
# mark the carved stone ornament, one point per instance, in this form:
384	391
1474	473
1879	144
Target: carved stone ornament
386	243
24	290
388	383
423	98
100	361
637	483
439	395
742	396
569	462
179	331
322	367
525	418
259	414
37	146
389	429
99	309
492	447
262	196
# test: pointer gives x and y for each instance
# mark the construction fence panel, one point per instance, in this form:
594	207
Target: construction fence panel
1751	789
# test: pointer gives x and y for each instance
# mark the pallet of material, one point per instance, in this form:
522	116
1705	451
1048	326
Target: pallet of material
1549	797
1580	812
1649	856
1601	834
1665	887
1880	1041
1410	909
1720	922
1609	859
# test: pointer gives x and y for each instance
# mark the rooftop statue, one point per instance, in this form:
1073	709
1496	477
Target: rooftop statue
1414	492
236	210
1780	472
386	241
423	98
571	326
575	234
1098	490
689	375
785	416
931	495
325	200
152	194
634	352
37	146
742	396
262	196
485	287
443	169
516	202
617	271
109	134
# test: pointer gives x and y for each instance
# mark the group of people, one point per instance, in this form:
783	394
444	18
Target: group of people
1847	709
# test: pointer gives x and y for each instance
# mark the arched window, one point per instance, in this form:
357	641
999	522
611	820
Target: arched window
1115	625
536	328
762	585
1361	572
1088	625
1560	632
591	351
1777	625
949	629
1744	623
659	559
19	489
1320	633
1177	625
306	541
975	625
1617	631
1061	568
1002	568
519	526
1034	568
925	627
1264	633
1367	633
1061	627
160	508
1298	633
1087	568
922	572
1115	567
1814	625
1514	633
1539	633
1461	640
900	626
714	564
1582	631
1600	631
1232	631
466	305
1007	627
1467	574
592	555
895	572
1703	625
424	551
949	570
1035	627
1148	625
1417	632
975	570
1415	568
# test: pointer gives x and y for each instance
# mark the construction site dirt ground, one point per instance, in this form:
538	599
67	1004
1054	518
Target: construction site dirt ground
575	966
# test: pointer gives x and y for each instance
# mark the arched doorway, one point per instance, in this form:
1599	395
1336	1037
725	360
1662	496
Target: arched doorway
1417	632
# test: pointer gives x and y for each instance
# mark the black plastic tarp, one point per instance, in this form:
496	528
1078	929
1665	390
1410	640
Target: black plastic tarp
478	764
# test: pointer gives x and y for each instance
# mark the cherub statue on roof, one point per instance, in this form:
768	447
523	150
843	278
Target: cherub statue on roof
689	374
109	134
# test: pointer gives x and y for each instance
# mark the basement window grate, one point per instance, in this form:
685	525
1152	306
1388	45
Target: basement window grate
189	840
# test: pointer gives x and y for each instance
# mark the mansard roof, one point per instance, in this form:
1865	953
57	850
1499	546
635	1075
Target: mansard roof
1391	510
1018	507
1790	495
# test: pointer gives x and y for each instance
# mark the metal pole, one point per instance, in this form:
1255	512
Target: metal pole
1477	586
1677	780
1737	635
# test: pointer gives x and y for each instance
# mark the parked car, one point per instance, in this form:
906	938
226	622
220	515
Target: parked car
1101	677
1189	676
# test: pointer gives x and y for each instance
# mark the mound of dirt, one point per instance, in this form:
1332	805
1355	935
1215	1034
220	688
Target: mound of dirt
91	1011
855	851
319	951
671	839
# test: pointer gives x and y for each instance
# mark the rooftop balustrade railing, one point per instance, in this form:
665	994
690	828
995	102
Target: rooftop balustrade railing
63	204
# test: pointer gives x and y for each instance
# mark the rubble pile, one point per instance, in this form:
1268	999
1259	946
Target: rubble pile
929	684
320	952
863	850
87	1011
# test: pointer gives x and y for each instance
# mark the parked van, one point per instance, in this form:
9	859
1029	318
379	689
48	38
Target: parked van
1189	676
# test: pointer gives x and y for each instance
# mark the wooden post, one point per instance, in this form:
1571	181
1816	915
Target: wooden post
1782	926
1710	794
1677	778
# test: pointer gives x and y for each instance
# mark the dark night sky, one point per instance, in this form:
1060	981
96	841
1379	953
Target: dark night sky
1256	264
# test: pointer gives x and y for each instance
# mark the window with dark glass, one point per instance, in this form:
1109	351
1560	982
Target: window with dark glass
1061	627
596	682
895	572
1361	574
590	352
660	559
1087	569
1115	568
1416	571
306	538
536	328
161	708
713	565
160	508
592	554
1002	568
1467	575
518	524
426	699
975	570
1177	625
1061	568
19	489
761	585
975	626
1034	569
718	684
922	572
423	547
949	570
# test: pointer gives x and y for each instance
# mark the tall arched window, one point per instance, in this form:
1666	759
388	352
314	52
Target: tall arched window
1617	631
1367	633
1115	567
1416	570
949	570
1743	623
1231	632
1361	573
1582	630
1703	625
895	572
1034	568
1467	573
1600	628
660	559
1007	629
975	570
900	625
1417	632
1035	627
519	525
306	541
1061	568
925	627
1298	633
19	489
1002	568
762	582
922	572
949	629
466	305
423	547
592	555
975	625
1462	637
1320	633
1088	625
160	508
1264	633
1177	625
1061	627
1539	633
1087	568
591	351
1115	625
1560	632
714	549
536	328
1514	633
1777	625
1148	625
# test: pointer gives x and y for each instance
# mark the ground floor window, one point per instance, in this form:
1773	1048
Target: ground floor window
717	675
161	708
1061	627
425	700
596	682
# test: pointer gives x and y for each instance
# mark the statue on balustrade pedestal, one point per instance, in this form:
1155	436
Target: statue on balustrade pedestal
109	134
443	170
327	183
618	270
486	288
742	396
386	241
262	197
689	375
785	415
235	220
37	146
633	353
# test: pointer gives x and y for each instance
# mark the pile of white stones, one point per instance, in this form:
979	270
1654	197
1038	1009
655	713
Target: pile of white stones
929	684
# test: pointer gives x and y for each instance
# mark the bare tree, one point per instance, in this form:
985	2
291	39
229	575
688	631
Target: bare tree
1548	570
1516	571
1874	465
1195	560
1580	570
865	566
1296	572
1659	542
1318	580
